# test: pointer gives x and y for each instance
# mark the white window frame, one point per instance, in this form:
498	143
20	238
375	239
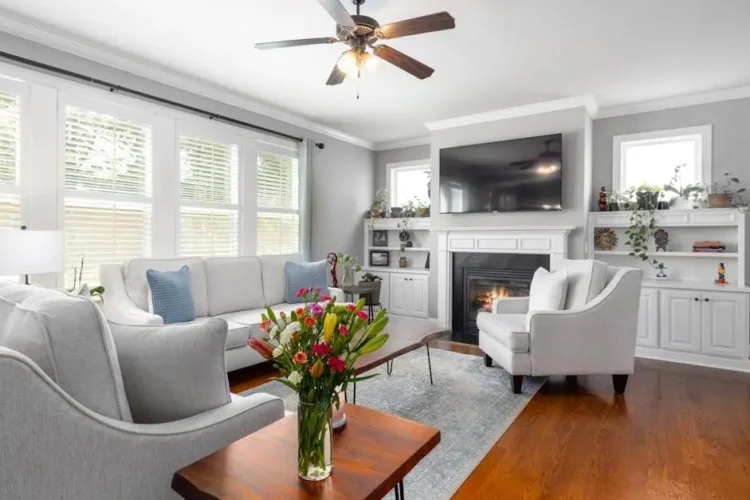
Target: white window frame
218	132
403	166
701	135
284	149
21	188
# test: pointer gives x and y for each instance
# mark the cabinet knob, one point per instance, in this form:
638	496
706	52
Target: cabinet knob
706	299
696	299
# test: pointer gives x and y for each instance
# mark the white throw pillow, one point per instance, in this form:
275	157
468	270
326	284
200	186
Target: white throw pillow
548	292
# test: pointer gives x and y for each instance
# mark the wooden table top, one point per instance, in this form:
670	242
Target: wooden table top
406	335
370	456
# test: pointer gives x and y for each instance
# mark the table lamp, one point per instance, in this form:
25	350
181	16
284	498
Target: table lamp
31	252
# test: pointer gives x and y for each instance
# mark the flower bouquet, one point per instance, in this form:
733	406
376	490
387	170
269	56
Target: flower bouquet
315	348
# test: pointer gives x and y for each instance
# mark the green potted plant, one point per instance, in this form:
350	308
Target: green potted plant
421	209
402	260
646	196
409	210
373	282
725	195
380	204
640	231
686	195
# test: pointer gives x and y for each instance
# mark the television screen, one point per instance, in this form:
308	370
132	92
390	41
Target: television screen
521	175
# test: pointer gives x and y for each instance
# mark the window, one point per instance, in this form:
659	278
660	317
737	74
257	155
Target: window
651	158
209	194
107	191
10	117
278	204
409	182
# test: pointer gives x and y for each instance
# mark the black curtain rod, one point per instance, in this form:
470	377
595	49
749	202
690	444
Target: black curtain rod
137	93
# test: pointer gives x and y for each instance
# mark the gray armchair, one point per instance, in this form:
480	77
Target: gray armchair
54	444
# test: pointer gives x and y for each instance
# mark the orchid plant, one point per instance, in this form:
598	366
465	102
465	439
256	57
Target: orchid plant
315	348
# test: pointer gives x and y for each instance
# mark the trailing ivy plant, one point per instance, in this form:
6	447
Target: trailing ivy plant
641	230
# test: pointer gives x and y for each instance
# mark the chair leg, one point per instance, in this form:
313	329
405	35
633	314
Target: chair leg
487	361
619	381
517	381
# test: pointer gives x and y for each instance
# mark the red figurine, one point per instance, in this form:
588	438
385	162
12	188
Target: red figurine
603	205
333	260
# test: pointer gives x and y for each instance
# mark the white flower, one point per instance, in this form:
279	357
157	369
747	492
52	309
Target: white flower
273	332
295	378
288	331
277	352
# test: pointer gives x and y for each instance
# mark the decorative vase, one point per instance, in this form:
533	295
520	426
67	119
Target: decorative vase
681	203
403	262
314	440
720	200
338	417
348	278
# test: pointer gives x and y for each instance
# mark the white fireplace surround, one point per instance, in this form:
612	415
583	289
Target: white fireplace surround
552	241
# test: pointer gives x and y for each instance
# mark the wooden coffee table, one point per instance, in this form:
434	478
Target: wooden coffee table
406	335
371	457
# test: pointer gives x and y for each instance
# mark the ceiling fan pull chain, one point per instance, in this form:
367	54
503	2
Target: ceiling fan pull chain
359	74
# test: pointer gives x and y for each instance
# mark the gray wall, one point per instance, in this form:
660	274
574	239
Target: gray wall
342	173
731	136
383	158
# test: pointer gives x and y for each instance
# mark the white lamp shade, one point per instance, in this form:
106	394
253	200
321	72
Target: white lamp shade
31	252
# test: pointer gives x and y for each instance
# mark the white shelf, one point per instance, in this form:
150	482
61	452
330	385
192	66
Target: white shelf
398	249
396	270
704	255
413	224
694	285
705	217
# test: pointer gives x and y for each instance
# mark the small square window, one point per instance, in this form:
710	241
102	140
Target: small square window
409	183
652	158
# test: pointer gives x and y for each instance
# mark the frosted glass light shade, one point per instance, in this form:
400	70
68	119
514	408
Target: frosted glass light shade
31	252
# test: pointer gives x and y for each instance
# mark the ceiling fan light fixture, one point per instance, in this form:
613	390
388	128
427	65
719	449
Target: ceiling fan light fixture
369	62
349	64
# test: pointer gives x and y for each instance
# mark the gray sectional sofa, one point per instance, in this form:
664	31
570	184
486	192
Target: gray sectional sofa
235	289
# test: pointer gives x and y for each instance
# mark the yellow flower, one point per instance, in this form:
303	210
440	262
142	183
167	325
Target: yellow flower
329	324
317	369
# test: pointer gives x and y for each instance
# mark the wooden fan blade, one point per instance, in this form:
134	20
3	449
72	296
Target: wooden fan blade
401	60
337	76
295	43
425	24
338	13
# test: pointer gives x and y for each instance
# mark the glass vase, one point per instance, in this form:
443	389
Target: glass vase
348	276
315	441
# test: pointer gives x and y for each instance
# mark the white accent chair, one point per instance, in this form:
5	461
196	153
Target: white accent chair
593	335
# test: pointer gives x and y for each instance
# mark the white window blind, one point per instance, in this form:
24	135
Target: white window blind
278	204
108	163
209	193
10	129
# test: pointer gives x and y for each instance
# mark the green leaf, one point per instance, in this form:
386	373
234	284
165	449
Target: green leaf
360	379
377	327
271	315
374	344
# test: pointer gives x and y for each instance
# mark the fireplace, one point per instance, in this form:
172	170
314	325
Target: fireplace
479	278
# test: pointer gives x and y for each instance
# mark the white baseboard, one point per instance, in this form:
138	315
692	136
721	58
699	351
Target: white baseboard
739	365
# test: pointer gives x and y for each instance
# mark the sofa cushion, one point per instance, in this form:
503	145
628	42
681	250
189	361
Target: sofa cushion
274	277
508	329
304	275
586	280
237	335
251	319
137	287
175	371
548	292
171	295
234	284
69	339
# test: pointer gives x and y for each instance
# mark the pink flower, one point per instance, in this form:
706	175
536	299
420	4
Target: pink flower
300	312
316	310
300	358
317	290
261	347
301	292
282	314
351	307
343	330
362	315
320	349
325	298
309	322
336	364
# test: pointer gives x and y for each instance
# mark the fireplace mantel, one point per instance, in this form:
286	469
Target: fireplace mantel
549	240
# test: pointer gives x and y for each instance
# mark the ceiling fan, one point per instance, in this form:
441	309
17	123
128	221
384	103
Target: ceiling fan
361	33
544	158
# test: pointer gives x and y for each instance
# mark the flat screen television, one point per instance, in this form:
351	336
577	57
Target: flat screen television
521	175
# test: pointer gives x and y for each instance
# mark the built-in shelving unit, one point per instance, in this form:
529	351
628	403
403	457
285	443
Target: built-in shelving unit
688	317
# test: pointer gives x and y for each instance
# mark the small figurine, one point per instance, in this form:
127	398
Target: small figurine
333	261
660	267
722	275
603	204
661	237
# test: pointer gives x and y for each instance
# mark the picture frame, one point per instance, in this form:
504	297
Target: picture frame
379	238
379	258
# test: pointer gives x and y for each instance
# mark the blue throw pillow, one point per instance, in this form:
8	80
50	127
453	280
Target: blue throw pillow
306	275
172	295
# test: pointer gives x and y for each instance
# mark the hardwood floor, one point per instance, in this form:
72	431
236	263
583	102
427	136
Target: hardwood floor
678	432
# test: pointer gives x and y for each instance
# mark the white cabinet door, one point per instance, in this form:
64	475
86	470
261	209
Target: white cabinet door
401	295
648	318
420	295
680	320
723	321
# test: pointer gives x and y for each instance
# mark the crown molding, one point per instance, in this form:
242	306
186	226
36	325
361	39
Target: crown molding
588	102
403	143
54	38
676	102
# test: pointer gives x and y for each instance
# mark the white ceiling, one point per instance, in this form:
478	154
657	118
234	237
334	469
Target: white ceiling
502	53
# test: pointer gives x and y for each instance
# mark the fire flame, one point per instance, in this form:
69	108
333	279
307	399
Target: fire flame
486	298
